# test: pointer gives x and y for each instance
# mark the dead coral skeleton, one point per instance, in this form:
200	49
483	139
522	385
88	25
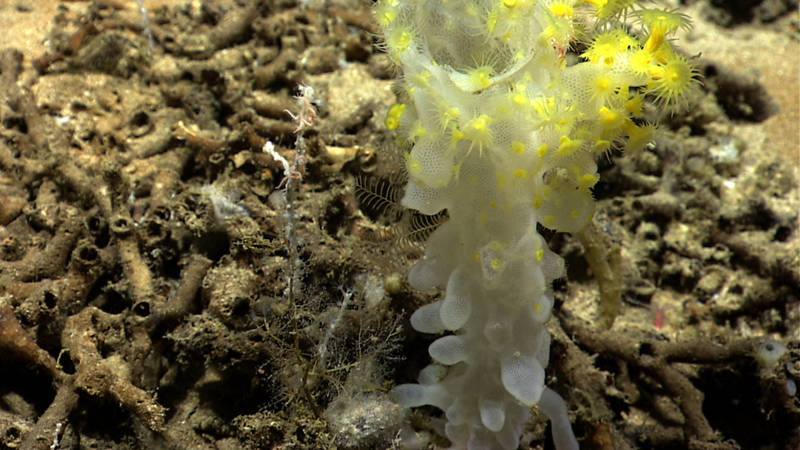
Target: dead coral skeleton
67	267
661	360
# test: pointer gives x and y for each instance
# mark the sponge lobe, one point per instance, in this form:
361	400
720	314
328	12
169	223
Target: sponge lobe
523	377
429	164
457	304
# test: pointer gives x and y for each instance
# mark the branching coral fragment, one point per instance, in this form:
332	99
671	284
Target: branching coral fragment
106	377
659	358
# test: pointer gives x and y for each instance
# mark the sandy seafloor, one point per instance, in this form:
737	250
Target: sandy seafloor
144	257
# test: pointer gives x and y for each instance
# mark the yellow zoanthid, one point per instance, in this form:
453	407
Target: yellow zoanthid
394	114
607	9
661	23
478	131
672	81
606	46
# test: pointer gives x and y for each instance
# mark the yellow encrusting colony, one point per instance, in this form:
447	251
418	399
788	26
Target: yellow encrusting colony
504	122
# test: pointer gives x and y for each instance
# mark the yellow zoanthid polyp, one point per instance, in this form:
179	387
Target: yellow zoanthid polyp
399	40
606	46
672	81
603	85
661	23
394	114
611	120
638	136
386	12
634	105
480	77
607	9
562	8
478	131
567	146
448	114
641	61
666	21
